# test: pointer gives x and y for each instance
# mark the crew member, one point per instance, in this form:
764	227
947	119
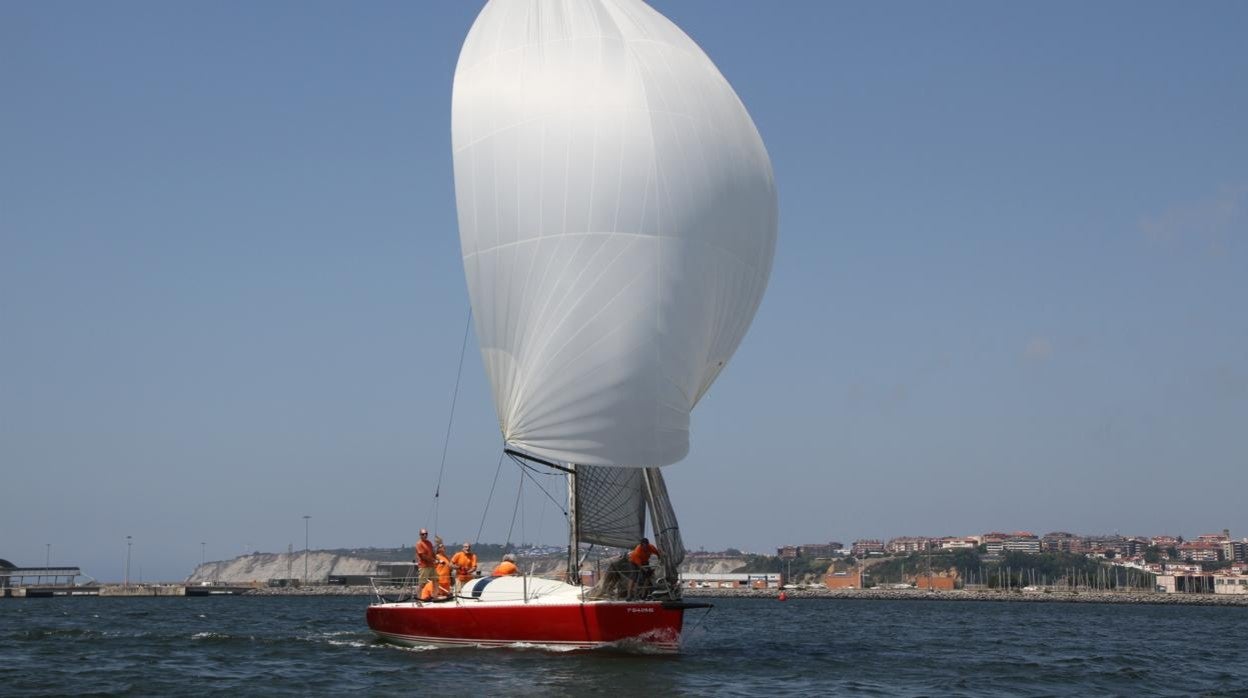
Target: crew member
640	557
506	567
442	565
424	558
641	554
465	562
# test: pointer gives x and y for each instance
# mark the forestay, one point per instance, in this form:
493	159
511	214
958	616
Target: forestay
617	216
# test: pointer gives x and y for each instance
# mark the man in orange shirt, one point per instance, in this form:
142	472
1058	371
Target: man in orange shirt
506	567
442	565
640	557
424	559
465	562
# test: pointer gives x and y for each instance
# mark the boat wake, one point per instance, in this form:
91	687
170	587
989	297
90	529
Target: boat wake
532	646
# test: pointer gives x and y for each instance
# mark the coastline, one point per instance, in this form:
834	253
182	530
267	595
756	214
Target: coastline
1112	597
1087	596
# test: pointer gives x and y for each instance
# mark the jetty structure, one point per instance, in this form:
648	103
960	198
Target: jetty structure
68	580
59	580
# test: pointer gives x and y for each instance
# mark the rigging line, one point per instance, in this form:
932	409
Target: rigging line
459	372
490	498
526	467
534	472
540	518
519	492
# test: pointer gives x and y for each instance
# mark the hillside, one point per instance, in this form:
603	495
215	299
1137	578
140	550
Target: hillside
261	567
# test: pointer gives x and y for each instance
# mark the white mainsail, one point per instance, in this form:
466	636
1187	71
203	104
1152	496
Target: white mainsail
617	215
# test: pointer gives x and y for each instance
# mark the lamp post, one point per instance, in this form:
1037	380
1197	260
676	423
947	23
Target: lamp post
128	543
305	548
47	560
202	545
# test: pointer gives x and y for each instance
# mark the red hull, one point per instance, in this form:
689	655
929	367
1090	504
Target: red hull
578	626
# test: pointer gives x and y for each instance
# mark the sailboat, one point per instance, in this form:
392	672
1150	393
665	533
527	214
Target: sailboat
617	217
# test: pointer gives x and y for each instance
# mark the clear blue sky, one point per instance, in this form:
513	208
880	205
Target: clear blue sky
1009	291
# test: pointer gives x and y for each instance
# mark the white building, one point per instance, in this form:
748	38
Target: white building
731	580
1230	584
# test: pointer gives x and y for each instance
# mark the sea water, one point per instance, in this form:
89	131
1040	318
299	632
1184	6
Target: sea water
321	645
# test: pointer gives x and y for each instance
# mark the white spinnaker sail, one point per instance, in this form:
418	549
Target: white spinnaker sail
617	216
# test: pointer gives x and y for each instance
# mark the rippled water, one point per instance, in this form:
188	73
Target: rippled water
292	645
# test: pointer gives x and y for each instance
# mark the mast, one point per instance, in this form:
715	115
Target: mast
574	531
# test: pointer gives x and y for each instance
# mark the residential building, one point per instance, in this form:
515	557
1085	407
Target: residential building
958	543
993	542
1164	542
1178	568
867	546
1108	546
818	550
1219	538
810	550
1061	542
908	544
1021	542
1201	551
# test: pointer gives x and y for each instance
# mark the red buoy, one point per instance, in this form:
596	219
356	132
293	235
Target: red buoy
783	596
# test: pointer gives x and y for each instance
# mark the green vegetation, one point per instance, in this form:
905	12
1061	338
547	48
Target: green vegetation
798	568
1015	570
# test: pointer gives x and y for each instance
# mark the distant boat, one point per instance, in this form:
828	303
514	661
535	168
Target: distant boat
618	218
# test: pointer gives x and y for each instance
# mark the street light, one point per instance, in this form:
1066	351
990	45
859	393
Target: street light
305	548
47	561
128	543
